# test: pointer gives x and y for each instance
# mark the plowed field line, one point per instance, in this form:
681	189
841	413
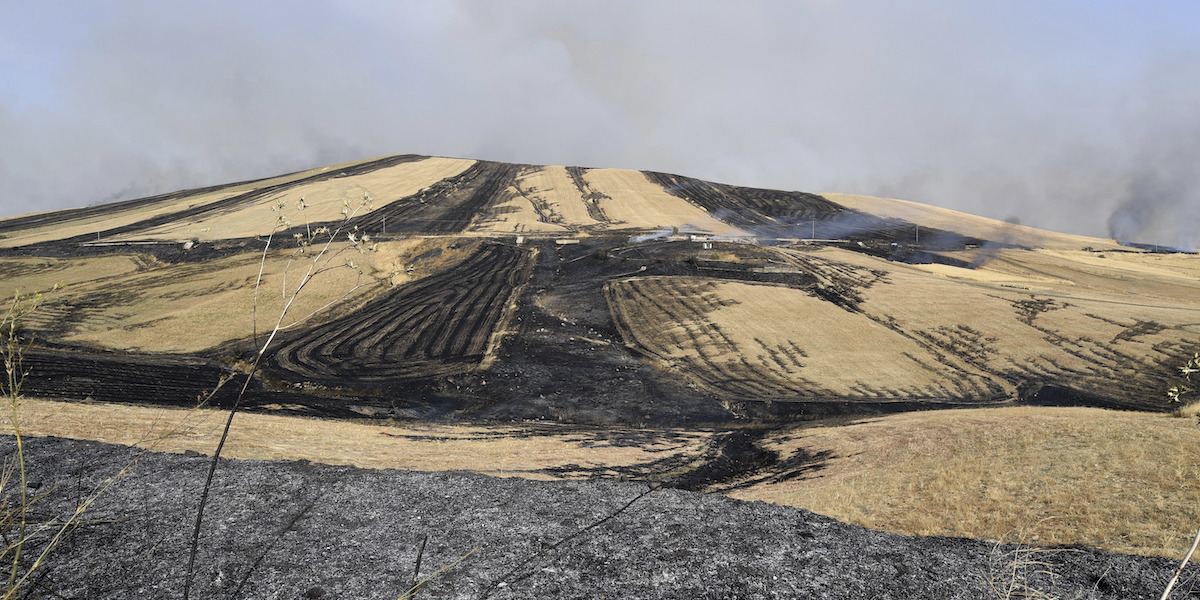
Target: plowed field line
440	324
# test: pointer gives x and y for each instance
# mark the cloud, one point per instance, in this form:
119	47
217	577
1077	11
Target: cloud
1050	114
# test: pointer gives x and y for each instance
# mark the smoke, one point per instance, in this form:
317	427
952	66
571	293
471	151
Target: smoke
998	108
1005	236
657	235
1160	200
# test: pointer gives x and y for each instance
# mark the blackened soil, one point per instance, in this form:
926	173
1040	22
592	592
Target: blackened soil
75	374
565	360
158	379
297	529
781	214
730	460
733	455
763	212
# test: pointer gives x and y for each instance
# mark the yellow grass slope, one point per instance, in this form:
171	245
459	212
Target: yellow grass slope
911	332
967	224
542	200
630	201
766	341
1124	481
526	451
72	226
325	201
548	200
135	303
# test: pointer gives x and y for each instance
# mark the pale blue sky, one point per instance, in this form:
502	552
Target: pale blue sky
1062	114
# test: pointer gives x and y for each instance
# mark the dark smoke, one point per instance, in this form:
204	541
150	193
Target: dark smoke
1158	208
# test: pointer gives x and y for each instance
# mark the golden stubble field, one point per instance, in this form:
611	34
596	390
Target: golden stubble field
71	226
921	331
325	201
570	201
135	303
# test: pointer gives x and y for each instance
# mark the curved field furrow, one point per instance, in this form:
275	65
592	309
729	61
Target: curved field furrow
438	325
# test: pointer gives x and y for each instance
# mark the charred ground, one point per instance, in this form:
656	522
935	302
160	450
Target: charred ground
614	326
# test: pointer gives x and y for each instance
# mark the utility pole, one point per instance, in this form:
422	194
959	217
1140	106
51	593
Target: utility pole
385	224
814	230
918	235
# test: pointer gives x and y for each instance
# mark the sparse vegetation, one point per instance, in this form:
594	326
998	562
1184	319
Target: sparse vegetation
28	543
313	247
1181	390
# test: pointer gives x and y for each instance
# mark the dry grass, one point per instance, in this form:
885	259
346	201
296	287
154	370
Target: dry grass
1128	482
782	340
135	303
555	187
1188	411
634	202
917	333
503	451
40	273
968	224
324	198
191	307
542	201
112	219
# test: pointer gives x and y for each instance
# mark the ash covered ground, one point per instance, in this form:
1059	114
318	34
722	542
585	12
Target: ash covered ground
300	530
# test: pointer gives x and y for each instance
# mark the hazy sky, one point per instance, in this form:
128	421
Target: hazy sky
1069	115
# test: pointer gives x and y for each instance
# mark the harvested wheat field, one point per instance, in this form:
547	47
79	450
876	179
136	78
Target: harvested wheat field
876	329
629	200
770	341
541	200
89	223
988	229
1124	481
325	196
137	303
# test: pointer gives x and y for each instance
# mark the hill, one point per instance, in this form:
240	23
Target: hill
502	291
